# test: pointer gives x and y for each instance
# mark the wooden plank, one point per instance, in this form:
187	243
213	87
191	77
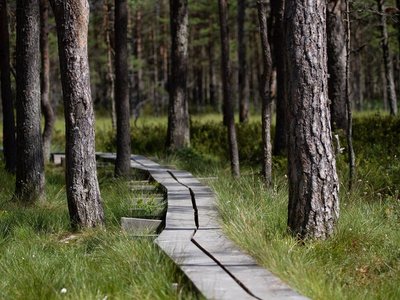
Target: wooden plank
209	278
134	225
258	280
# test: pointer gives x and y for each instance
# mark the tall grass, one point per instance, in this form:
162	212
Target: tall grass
40	258
361	260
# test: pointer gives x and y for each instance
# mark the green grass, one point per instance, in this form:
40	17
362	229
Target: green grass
40	256
361	260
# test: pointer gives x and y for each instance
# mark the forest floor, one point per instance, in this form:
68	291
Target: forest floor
361	260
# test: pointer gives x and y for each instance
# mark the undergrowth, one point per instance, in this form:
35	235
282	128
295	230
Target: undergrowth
40	258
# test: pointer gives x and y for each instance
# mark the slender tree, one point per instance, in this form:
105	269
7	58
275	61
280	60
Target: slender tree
387	60
178	113
30	169
313	183
227	86
265	93
349	127
9	143
280	138
83	194
242	79
122	163
336	37
47	109
107	20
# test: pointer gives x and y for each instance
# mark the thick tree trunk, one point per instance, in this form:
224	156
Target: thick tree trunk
280	138
265	93
83	194
47	109
123	161
242	78
9	142
226	82
313	183
387	60
178	116
336	36
30	169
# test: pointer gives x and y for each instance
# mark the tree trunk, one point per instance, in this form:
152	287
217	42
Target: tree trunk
336	36
242	78
387	60
137	53
313	183
47	109
123	161
226	82
110	73
213	94
280	138
30	169
9	142
265	93
83	194
178	116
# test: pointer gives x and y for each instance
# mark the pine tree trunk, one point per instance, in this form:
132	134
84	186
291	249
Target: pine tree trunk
47	109
280	138
178	116
30	170
242	78
265	93
107	10
387	60
83	194
122	163
9	142
336	36
313	182
226	82
137	53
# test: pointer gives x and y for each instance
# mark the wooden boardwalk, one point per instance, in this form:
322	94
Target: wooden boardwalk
193	239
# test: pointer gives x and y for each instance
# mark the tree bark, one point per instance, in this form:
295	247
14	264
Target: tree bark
123	161
336	36
110	73
9	142
265	93
47	109
242	78
226	82
280	138
387	60
83	194
313	183
30	170
178	116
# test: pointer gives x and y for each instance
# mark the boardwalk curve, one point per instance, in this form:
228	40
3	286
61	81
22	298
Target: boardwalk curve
194	240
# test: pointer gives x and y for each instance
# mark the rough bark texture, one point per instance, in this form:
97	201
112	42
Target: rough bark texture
178	114
280	138
9	143
47	109
265	93
226	82
313	183
336	35
387	60
84	203
123	161
30	170
242	78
